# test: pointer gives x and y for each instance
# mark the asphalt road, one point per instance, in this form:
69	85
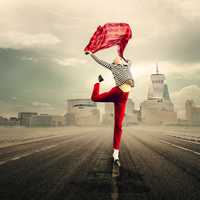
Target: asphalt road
155	165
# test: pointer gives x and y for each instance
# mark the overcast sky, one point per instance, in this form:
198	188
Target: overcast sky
41	50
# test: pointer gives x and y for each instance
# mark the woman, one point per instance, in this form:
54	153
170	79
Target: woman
118	95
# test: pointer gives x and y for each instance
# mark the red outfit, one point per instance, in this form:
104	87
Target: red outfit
109	35
119	98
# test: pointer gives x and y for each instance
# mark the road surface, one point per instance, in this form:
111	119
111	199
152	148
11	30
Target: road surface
156	164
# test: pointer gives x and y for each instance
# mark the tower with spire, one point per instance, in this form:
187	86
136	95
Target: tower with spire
158	88
158	108
157	71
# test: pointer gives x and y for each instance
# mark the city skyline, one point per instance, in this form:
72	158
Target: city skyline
41	51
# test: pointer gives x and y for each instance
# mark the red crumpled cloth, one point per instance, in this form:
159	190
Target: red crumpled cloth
109	35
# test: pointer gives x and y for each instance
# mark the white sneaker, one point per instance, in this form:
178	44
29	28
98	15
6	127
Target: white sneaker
116	154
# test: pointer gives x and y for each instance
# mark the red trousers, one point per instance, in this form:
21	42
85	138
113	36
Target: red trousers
119	98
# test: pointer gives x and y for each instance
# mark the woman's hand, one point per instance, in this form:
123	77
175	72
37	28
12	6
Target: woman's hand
88	52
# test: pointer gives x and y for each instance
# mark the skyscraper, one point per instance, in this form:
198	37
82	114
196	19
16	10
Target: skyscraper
156	85
158	107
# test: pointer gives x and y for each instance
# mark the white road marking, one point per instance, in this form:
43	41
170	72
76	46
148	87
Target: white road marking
28	154
179	147
35	151
185	139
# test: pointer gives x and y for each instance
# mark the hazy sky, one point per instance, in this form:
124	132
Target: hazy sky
41	50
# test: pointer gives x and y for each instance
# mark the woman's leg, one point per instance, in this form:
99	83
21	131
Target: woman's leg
109	96
120	108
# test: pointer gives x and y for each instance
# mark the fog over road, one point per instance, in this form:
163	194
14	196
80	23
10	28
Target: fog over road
157	163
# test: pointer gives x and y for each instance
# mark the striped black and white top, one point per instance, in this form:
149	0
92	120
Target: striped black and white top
121	72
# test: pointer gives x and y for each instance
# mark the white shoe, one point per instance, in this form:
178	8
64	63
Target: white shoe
116	154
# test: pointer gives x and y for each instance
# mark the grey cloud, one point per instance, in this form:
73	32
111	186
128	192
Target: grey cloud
18	40
162	31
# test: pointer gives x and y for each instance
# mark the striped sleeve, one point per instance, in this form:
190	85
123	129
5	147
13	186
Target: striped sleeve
101	62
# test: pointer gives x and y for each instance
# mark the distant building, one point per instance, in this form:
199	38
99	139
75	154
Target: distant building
131	115
158	108
24	117
3	121
82	112
108	115
45	120
13	121
192	112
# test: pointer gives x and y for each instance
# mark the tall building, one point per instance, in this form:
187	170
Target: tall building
82	112
157	85
158	107
192	112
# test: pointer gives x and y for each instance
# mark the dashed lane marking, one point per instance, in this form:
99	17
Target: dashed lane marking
185	139
179	147
27	154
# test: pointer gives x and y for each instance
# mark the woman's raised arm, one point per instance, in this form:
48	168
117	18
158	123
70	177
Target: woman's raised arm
101	62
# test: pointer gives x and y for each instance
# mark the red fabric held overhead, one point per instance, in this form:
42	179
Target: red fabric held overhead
109	35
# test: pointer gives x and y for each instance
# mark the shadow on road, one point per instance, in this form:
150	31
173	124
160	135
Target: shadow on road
101	185
128	185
